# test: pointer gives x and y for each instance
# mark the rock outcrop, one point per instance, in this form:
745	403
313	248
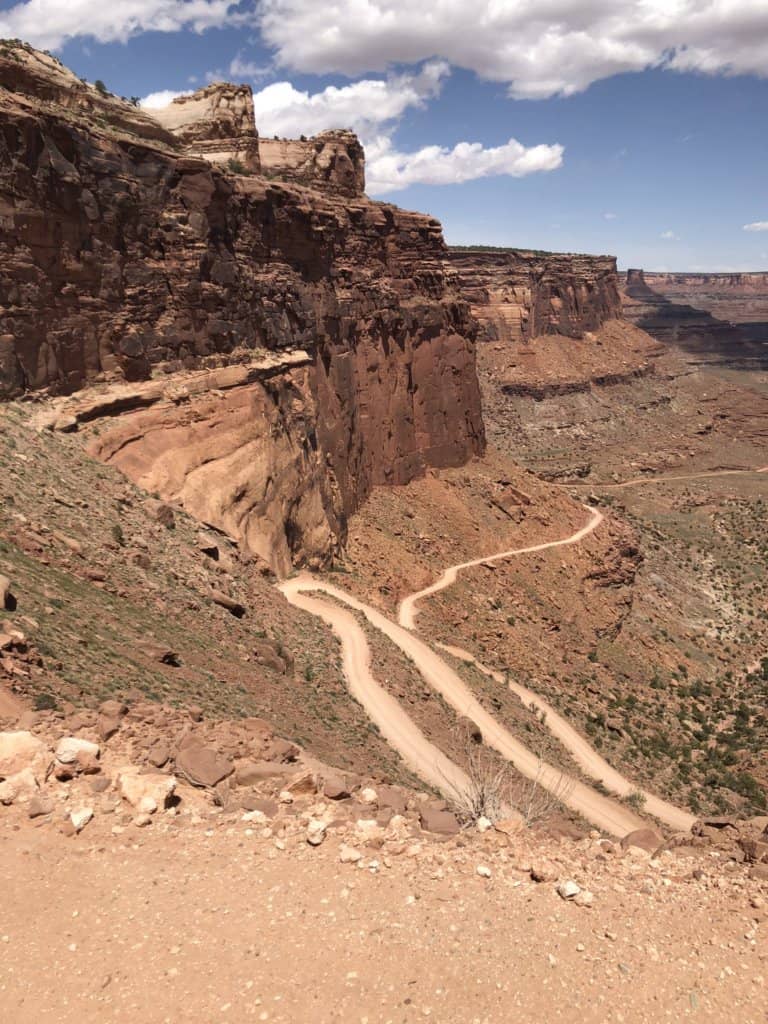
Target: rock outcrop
332	159
520	295
217	123
124	257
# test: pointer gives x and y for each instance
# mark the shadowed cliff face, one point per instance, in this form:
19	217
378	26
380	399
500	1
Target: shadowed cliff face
715	318
122	257
521	295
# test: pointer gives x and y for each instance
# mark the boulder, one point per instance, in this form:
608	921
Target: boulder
159	753
254	802
76	752
441	822
203	766
643	839
282	751
19	787
248	773
20	750
755	850
393	799
225	601
334	786
7	599
146	793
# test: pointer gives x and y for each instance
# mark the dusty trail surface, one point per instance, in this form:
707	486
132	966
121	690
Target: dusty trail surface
407	612
213	925
640	480
397	727
583	753
420	754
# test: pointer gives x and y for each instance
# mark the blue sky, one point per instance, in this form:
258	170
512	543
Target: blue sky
632	127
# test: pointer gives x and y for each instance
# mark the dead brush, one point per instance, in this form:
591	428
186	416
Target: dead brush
497	791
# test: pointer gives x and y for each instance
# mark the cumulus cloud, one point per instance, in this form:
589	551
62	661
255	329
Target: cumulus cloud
284	110
757	225
539	47
669	236
162	98
389	170
372	107
50	23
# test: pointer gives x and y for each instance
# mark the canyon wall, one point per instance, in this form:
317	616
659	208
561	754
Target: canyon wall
732	297
519	295
713	318
124	255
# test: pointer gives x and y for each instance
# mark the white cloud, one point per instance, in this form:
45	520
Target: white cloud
284	110
389	170
669	236
160	99
240	68
757	225
610	216
372	107
540	47
50	23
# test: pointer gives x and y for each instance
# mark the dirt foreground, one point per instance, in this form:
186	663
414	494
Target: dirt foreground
230	922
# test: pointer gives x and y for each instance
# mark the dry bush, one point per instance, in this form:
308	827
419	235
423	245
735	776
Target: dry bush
497	790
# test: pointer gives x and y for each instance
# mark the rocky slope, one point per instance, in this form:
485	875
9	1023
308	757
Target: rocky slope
127	253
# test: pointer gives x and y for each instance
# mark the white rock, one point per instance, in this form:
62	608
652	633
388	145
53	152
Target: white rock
285	797
21	786
70	748
584	899
349	855
147	805
141	791
483	824
316	831
568	890
20	750
258	816
368	796
142	820
81	818
483	871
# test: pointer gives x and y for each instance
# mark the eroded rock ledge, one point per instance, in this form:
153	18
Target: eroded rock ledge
123	257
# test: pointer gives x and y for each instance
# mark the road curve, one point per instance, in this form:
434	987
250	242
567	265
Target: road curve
587	758
398	728
407	611
395	725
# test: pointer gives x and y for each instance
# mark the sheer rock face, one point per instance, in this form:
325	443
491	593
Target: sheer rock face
216	122
331	159
522	295
122	256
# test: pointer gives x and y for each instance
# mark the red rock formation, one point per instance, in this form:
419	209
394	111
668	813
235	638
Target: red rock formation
216	122
520	295
720	318
332	159
122	256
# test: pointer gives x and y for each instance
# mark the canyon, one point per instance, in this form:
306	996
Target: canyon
127	254
404	567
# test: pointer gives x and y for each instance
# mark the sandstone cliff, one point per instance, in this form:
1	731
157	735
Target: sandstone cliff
123	256
715	318
520	295
216	122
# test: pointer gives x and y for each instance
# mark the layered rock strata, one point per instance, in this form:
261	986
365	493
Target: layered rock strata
217	123
520	295
122	256
720	324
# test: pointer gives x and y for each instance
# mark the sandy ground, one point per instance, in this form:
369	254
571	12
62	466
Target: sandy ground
219	925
